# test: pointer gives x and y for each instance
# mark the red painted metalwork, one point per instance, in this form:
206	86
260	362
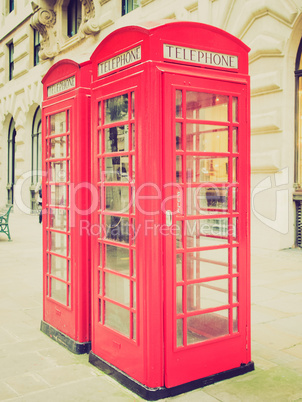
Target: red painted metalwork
66	200
192	298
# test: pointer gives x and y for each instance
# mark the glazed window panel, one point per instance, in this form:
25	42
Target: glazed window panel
117	259
116	109
58	243
207	326
117	288
58	123
207	232
208	263
58	291
207	138
207	106
58	147
117	198
117	228
207	200
58	267
117	318
117	169
117	139
201	296
202	169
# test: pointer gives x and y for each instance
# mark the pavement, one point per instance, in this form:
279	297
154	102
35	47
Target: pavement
35	368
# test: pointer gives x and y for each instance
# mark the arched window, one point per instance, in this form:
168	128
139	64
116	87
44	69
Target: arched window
11	149
36	154
74	17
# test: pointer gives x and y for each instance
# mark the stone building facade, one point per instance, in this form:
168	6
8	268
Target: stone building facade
36	34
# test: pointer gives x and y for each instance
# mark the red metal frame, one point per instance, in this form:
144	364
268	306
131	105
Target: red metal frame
69	163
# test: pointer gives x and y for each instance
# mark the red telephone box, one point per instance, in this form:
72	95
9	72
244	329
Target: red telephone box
170	165
66	204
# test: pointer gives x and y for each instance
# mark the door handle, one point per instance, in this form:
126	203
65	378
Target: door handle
169	218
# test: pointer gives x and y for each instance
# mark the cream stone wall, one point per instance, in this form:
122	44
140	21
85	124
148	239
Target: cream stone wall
271	28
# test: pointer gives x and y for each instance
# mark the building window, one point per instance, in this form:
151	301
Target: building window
11	5
11	147
74	17
129	5
10	61
36	47
36	155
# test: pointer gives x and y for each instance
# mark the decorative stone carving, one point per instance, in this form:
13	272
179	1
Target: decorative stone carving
89	24
44	22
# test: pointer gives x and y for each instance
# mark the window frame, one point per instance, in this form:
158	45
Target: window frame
74	8
125	6
11	63
36	47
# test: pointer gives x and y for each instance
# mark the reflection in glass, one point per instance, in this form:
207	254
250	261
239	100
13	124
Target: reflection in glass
178	169
134	326
180	332
205	169
117	198
58	195
235	319
133	136
235	178
235	109
179	267
235	198
235	139
178	103
207	106
57	172
202	264
58	123
179	234
235	287
117	318
179	136
207	326
205	295
116	139
132	105
58	267
57	219
58	243
58	291
58	147
117	259
117	288
133	264
116	109
134	295
207	200
179	308
100	282
117	168
207	138
207	232
117	228
235	266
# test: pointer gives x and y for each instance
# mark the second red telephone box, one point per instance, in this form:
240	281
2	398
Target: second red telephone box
66	198
170	167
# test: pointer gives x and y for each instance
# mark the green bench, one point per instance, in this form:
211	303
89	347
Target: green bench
4	216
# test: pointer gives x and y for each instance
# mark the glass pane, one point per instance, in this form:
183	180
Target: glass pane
100	142
100	310
100	113
206	106
179	234
58	195
207	326
134	326
207	138
117	228
178	169
134	295
235	178
178	103
204	169
58	267
180	332
133	136
117	288
179	136
207	200
58	123
179	303
57	219
116	139
58	243
235	319
117	198
100	282
132	178
117	318
58	147
179	267
235	139
235	290
133	264
117	168
235	266
117	259
207	232
57	172
235	109
100	255
207	263
205	295
132	105
116	109
235	198
58	291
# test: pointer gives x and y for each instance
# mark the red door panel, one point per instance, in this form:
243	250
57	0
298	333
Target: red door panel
206	256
